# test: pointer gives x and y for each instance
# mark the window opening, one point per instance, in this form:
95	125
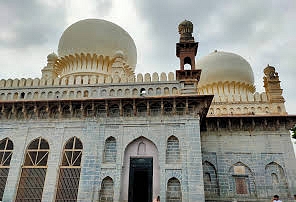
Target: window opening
6	148
69	173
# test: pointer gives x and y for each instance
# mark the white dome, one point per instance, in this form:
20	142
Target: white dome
223	66
95	36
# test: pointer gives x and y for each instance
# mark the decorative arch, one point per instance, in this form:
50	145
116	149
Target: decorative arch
174	192
69	172
173	150
132	151
110	150
211	186
6	149
187	60
141	148
31	182
276	180
106	193
242	180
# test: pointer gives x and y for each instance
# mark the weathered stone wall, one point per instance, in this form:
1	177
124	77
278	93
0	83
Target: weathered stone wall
262	153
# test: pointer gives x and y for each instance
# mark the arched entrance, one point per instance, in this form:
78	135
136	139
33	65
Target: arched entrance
140	171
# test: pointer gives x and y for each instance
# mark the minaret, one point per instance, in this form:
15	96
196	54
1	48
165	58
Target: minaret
273	90
186	50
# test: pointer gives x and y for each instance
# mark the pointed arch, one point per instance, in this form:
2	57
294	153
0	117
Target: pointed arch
172	150
6	149
211	185
174	192
31	182
106	193
69	171
110	150
275	178
130	152
141	148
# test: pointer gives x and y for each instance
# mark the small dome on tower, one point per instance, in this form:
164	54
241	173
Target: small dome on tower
52	57
185	29
119	54
185	26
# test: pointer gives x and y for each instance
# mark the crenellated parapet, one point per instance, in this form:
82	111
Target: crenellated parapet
245	104
85	87
75	80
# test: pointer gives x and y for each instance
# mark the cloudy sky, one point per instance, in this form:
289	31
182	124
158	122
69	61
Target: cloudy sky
263	32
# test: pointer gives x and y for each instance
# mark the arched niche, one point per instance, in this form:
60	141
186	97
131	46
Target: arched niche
140	148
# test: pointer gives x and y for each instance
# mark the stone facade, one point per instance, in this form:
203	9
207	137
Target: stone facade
91	130
93	133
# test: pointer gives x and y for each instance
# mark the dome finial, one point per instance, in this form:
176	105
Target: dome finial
185	29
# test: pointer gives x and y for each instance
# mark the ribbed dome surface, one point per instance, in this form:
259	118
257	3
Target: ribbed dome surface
223	66
95	36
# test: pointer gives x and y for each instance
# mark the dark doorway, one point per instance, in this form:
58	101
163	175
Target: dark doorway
140	180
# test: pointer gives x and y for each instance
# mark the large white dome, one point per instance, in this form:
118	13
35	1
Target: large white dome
95	36
222	67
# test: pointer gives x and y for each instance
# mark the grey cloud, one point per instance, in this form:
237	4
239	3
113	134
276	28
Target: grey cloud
103	7
30	23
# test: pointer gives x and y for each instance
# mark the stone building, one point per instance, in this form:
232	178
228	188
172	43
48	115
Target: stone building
91	130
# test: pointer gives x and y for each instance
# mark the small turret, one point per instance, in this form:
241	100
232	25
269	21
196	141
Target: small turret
48	71
186	49
273	90
272	85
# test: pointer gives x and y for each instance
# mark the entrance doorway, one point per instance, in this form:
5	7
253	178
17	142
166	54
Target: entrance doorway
140	180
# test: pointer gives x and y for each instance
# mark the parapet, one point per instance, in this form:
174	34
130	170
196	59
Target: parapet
87	80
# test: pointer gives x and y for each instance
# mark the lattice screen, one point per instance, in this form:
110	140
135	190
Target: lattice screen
70	169
33	174
6	148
